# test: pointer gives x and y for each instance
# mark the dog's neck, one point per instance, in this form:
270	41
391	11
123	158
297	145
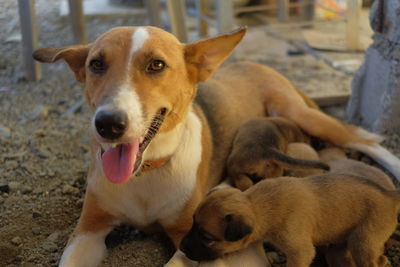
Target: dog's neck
164	144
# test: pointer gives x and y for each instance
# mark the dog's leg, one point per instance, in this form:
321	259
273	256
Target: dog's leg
367	246
301	258
338	255
176	231
299	252
86	246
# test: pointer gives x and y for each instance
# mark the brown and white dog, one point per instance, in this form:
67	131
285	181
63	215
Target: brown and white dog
155	153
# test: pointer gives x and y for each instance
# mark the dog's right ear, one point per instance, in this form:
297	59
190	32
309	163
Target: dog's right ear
74	55
236	228
205	56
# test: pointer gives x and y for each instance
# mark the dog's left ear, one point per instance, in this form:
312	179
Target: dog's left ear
236	228
205	56
74	55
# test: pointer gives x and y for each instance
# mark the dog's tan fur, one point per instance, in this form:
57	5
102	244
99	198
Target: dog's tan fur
196	145
259	151
287	213
302	151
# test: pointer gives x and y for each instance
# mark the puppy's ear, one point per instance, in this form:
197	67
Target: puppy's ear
74	55
236	228
205	56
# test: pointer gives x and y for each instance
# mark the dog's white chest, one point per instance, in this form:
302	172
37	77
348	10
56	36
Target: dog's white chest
159	194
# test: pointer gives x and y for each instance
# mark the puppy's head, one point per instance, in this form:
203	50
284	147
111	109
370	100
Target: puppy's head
247	170
138	81
223	223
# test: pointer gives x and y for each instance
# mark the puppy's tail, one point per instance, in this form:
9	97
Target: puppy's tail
380	155
294	163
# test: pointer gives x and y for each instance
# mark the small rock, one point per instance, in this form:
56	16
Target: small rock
11	164
4	188
40	111
79	203
26	189
5	131
41	133
42	153
49	246
70	190
36	214
36	230
16	241
15	186
54	237
37	191
31	258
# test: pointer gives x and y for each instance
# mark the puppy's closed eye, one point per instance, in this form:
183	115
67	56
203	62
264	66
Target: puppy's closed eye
207	238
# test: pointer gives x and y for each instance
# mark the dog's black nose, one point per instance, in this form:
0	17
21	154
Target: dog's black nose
111	124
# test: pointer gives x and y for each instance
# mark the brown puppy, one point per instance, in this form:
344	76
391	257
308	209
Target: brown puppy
259	148
295	215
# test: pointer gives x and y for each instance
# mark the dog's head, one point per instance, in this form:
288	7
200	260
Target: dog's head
223	223
138	81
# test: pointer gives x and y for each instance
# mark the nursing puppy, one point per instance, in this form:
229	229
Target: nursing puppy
154	151
295	215
259	151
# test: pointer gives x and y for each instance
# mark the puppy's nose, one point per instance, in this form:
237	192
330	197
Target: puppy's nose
111	124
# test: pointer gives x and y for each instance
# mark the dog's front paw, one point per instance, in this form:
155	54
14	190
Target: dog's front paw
180	260
87	250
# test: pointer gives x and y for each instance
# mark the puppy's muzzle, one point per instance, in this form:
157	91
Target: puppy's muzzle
111	124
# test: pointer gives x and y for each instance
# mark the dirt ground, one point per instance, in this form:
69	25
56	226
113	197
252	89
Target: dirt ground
44	147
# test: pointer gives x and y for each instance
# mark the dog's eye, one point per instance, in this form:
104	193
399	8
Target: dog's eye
156	66
97	66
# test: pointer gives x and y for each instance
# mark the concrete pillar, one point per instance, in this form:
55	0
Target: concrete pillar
375	99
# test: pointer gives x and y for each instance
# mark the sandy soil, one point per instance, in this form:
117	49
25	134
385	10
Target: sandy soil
44	148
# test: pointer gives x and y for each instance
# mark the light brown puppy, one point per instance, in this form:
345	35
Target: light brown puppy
295	215
161	133
259	151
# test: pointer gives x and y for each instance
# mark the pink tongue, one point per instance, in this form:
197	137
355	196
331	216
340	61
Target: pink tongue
119	161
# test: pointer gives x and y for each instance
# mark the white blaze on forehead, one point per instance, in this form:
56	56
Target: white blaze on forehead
138	39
